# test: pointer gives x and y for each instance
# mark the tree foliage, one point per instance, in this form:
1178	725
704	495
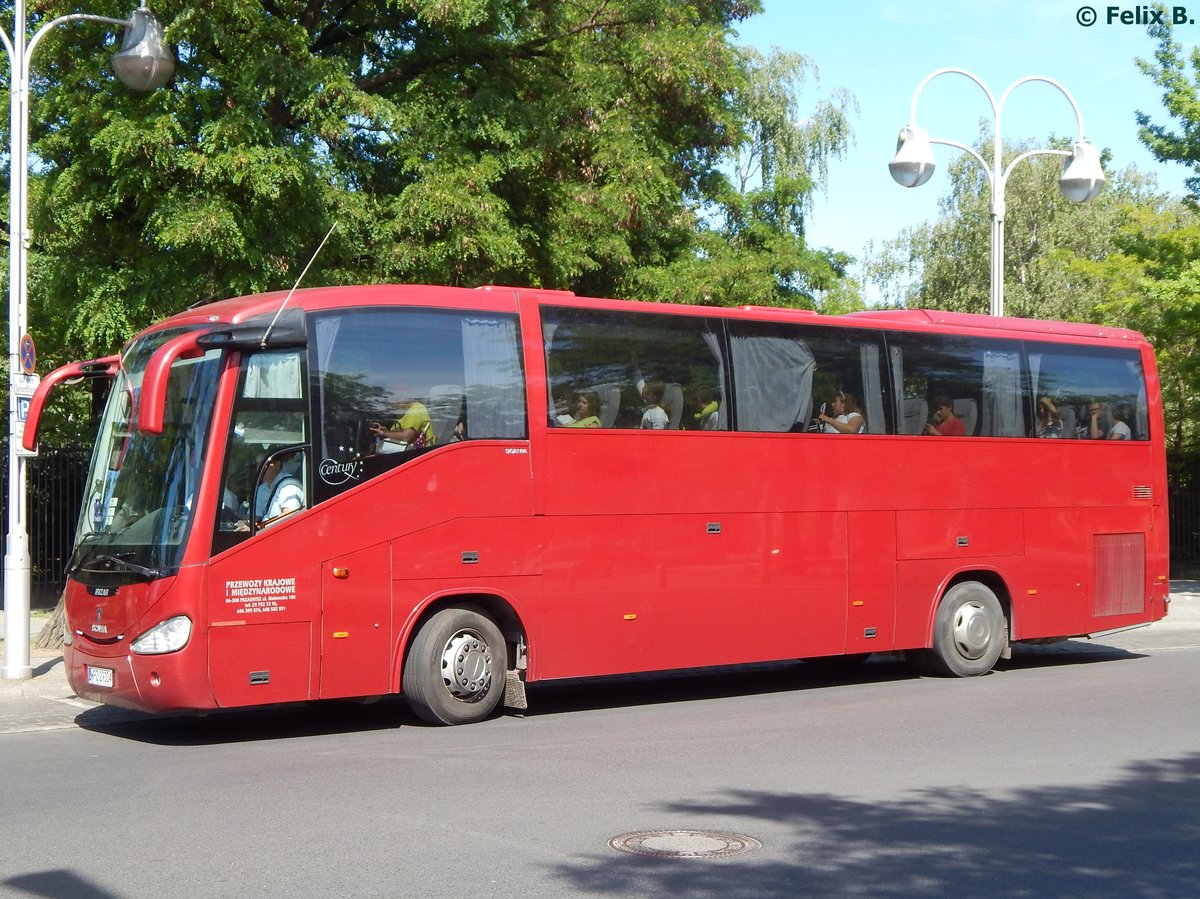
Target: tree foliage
1178	75
575	144
1150	281
1130	258
946	264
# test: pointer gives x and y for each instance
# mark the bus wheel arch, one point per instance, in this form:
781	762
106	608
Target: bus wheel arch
457	657
971	627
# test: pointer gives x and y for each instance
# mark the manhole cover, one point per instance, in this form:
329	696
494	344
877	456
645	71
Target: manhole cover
684	843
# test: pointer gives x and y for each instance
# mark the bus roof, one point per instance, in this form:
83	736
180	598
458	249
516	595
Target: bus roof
497	298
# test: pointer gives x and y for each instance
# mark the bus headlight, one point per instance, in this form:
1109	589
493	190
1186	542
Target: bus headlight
169	636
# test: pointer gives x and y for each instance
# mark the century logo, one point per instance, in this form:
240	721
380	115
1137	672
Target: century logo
335	472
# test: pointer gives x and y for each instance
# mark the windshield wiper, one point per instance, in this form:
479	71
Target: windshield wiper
118	562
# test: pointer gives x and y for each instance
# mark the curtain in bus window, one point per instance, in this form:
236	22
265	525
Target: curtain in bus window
326	334
713	342
773	383
1141	410
906	423
1034	360
492	372
872	388
273	376
548	329
1002	394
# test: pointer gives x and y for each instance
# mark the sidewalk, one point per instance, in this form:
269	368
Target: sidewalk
46	702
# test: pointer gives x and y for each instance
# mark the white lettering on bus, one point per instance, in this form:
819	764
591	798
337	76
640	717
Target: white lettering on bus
253	596
334	472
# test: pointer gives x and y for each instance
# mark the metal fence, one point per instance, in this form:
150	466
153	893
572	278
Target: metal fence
56	491
1185	533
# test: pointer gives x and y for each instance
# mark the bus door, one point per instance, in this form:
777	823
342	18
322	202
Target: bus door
264	576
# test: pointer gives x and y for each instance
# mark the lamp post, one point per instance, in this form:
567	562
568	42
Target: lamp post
143	63
1082	177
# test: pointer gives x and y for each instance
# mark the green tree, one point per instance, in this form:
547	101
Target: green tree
1159	267
584	146
1178	75
1150	282
749	243
945	264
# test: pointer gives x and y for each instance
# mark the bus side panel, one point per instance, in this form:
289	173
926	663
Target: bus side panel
632	593
678	549
356	623
1053	598
872	582
1119	579
263	601
256	664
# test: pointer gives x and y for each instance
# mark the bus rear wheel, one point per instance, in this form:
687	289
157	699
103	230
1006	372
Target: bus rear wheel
969	632
454	673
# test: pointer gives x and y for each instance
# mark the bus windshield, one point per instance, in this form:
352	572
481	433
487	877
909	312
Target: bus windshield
140	491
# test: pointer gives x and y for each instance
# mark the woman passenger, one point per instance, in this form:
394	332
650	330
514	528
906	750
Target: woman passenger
587	410
847	418
1049	421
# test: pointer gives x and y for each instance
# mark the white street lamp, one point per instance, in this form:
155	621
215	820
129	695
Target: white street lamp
1082	177
143	63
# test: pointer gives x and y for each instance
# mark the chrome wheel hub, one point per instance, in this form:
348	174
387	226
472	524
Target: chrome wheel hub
972	630
467	666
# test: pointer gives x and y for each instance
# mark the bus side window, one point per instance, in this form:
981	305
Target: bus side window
1081	378
981	377
784	372
615	355
394	383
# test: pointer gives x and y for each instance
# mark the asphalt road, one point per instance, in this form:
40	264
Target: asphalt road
1071	771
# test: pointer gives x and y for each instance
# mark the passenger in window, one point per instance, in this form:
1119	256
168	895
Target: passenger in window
413	430
704	400
587	411
1097	422
846	417
655	418
1117	428
285	493
948	424
1049	421
278	495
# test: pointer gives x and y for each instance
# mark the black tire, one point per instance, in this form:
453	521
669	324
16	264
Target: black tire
454	673
969	632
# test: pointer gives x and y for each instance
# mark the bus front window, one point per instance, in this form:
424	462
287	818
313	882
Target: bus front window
139	496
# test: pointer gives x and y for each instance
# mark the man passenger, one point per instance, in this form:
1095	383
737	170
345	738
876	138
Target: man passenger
949	424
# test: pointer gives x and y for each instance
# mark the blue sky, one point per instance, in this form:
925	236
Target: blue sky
881	50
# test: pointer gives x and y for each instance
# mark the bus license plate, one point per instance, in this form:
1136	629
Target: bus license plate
99	677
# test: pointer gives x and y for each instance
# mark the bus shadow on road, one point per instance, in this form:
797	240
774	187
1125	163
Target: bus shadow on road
1068	652
312	719
703	684
249	725
780	677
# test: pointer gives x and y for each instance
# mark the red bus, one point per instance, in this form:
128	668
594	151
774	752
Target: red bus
449	493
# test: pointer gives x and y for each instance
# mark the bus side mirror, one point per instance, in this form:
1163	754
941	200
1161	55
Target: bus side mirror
95	368
152	401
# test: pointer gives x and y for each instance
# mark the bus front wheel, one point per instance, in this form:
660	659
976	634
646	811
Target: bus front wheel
969	631
454	673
